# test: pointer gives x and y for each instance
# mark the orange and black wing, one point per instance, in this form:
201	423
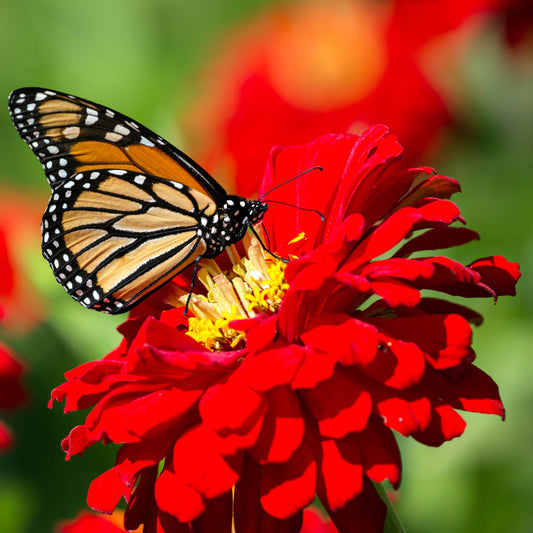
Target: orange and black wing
114	236
70	135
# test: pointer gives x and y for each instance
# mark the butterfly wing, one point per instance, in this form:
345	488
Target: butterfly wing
70	135
113	236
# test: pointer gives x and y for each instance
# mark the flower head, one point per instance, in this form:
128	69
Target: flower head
290	381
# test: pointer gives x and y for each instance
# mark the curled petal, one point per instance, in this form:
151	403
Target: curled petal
498	274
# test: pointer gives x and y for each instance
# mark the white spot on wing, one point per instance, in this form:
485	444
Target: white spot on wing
146	142
71	132
121	130
112	136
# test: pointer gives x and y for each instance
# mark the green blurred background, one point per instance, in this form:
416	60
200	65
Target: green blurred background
143	58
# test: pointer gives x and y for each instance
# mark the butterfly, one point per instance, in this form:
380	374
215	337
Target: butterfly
128	211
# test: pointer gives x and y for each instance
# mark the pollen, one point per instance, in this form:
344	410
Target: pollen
254	285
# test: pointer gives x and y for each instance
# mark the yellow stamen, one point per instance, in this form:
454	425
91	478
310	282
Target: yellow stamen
255	285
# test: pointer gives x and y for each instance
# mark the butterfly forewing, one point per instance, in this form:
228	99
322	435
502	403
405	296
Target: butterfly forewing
128	210
113	236
70	135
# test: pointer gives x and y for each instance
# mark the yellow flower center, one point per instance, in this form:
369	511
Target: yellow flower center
255	285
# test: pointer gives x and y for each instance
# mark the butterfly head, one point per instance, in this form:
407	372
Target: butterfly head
241	213
256	211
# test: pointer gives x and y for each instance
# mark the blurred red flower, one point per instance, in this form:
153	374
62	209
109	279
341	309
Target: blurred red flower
11	392
332	353
20	306
301	70
518	21
91	523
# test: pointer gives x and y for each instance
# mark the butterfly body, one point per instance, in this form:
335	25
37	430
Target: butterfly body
128	211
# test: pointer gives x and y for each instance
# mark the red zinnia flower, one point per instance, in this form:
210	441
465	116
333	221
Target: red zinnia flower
337	349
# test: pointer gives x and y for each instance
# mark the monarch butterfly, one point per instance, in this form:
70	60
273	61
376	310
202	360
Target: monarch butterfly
128	211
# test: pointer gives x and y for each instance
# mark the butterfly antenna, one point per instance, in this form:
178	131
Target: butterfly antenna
266	235
289	180
296	207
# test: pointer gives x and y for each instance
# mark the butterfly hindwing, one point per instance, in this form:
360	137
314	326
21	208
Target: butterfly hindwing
70	135
114	236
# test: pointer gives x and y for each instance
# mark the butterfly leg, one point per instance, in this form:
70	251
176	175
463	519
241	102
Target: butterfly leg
265	247
194	273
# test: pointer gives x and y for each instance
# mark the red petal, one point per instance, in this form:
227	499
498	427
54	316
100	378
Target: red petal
445	339
134	458
441	211
289	487
432	187
498	273
105	491
198	464
232	405
383	238
283	428
341	472
398	364
249	515
268	369
445	425
217	517
339	405
471	390
381	456
315	368
396	293
363	514
77	441
175	497
405	416
129	414
436	239
352	341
